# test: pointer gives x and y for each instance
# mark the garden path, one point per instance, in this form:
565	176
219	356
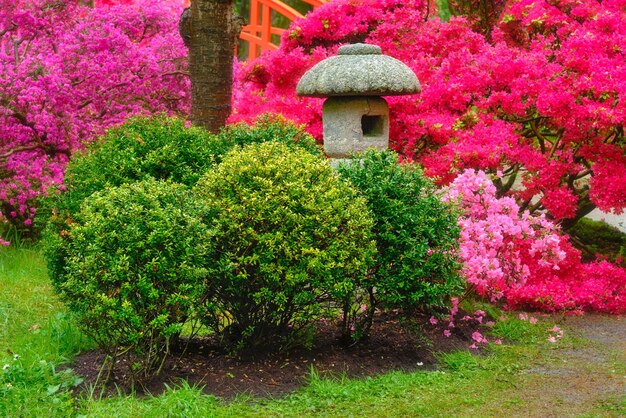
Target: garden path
574	377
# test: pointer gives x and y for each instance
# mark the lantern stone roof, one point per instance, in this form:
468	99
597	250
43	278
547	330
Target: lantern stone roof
358	70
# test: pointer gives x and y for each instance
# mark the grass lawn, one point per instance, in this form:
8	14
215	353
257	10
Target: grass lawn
525	376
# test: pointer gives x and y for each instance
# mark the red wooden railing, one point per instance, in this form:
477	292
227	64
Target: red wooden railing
259	32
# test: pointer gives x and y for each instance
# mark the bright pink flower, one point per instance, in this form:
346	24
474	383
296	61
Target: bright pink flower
74	72
478	96
455	307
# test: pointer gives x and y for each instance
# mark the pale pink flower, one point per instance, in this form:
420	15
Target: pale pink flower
455	307
478	337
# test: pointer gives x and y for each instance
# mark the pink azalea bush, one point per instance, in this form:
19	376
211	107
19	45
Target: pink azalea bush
67	72
523	260
543	103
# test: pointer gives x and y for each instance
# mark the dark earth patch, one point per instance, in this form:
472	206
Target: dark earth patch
394	345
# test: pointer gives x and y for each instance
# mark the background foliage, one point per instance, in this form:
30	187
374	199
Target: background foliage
68	72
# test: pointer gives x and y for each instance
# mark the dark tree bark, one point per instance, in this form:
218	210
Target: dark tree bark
210	29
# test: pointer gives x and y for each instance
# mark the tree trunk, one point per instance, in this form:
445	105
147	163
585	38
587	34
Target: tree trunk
210	29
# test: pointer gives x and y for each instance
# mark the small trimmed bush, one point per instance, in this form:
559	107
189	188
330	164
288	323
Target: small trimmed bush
129	266
289	235
270	127
156	147
416	235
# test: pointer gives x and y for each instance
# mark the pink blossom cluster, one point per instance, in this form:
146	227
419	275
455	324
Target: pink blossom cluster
543	103
522	259
67	72
495	239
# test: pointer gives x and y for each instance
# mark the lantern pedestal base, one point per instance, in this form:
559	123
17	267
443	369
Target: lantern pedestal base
355	124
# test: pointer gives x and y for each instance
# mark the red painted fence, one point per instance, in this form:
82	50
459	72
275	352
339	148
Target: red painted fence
259	32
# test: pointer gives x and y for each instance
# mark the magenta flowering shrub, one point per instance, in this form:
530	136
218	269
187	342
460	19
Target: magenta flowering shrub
543	103
67	72
522	259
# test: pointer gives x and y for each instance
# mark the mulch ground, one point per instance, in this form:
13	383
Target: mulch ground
391	347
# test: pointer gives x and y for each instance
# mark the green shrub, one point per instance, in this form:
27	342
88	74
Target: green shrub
270	127
289	235
416	235
156	147
599	238
129	266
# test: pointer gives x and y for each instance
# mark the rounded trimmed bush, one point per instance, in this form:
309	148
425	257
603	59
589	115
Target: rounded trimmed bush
271	127
129	267
289	234
416	234
156	147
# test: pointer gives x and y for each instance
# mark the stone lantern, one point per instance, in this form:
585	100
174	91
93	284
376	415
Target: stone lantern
355	116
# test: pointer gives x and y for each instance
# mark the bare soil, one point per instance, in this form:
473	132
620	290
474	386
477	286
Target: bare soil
391	347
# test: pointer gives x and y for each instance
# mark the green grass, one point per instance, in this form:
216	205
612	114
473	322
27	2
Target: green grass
35	326
37	338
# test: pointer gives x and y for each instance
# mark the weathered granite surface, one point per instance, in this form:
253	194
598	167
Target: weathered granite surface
355	124
358	70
